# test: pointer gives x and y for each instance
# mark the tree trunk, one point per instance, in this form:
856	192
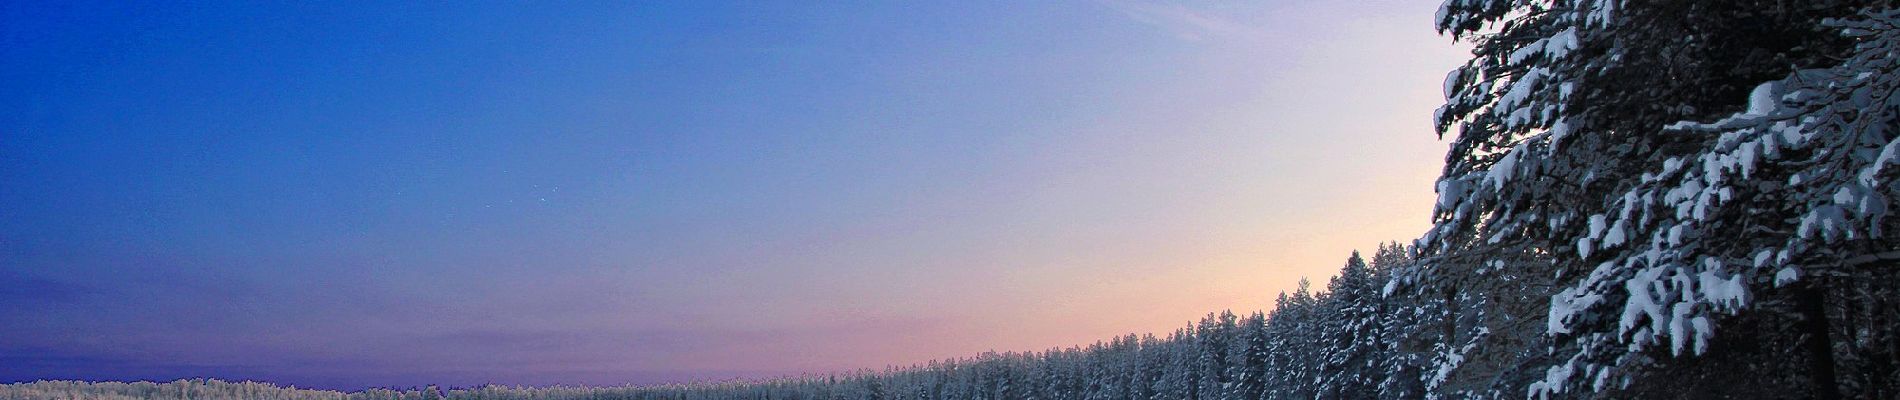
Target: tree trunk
1819	345
1451	317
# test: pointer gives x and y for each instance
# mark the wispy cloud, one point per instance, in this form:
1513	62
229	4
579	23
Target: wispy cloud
1185	22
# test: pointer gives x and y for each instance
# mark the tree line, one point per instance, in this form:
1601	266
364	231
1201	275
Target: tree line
1343	342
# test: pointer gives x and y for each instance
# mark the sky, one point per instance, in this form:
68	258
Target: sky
345	195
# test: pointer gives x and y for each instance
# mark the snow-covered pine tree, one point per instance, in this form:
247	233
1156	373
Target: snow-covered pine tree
1280	370
1216	334
1295	357
1250	373
1182	375
1348	333
1154	360
1778	202
1399	366
873	389
1561	165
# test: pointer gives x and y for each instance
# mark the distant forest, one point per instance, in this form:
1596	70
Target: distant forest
1642	199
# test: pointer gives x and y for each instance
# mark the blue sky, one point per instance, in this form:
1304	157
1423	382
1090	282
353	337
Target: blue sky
366	194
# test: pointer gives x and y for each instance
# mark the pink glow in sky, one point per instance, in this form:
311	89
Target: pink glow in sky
535	194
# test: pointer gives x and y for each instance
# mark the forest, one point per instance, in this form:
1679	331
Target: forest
1667	199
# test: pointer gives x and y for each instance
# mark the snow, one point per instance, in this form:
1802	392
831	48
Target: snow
1745	160
1614	236
1450	193
1451	81
1786	276
1501	173
1557	373
1722	291
1558	130
1604	14
1523	53
1825	221
1763	100
1679	330
1521	89
1888	153
1562	44
1444	11
1640	304
1704	330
